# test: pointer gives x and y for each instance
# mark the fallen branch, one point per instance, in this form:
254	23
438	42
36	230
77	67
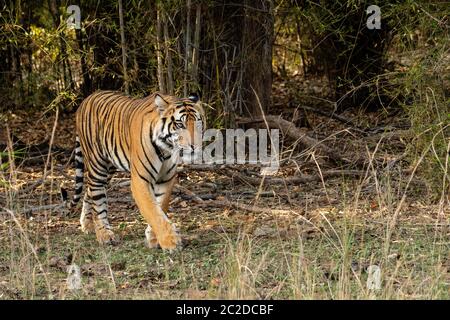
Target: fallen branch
241	206
213	167
189	193
333	116
268	180
302	179
290	130
32	186
391	135
197	199
28	211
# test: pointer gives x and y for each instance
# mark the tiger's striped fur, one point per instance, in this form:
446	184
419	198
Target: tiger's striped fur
141	136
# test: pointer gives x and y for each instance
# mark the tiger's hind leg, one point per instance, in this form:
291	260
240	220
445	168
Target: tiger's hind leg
96	181
86	219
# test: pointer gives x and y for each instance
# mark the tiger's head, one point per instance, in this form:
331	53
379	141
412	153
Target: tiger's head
180	125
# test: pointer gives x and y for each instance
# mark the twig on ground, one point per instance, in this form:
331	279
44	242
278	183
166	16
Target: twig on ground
189	193
303	179
333	116
398	134
28	211
241	206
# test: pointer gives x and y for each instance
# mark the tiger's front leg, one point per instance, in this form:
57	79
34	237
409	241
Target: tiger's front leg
160	226
162	191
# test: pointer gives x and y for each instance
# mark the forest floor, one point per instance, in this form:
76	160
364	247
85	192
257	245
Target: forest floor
243	237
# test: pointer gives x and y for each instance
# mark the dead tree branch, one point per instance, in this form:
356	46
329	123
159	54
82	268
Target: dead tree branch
290	130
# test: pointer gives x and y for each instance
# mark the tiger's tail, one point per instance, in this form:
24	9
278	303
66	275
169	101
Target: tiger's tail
79	170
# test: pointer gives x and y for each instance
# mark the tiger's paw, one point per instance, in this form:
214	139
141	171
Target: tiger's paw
150	238
87	225
170	241
106	236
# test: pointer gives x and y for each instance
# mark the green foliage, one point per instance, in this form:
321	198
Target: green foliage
424	43
410	71
405	64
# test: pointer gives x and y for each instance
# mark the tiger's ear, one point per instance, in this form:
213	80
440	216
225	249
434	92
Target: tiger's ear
194	97
160	103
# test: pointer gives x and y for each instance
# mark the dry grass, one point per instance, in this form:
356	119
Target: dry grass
312	241
319	247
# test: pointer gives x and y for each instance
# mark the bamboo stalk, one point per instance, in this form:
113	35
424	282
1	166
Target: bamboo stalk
159	58
124	50
170	87
187	47
196	46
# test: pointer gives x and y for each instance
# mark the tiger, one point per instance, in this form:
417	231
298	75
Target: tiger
147	137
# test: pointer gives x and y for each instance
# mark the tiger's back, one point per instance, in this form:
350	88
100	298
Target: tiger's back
104	121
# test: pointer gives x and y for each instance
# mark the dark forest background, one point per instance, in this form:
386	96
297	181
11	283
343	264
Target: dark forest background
235	54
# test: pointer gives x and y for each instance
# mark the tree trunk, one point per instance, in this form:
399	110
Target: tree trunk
257	51
236	57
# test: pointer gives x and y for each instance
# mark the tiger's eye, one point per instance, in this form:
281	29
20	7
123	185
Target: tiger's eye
180	125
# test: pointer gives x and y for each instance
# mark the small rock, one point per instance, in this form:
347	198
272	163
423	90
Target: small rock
393	256
263	231
74	277
57	262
